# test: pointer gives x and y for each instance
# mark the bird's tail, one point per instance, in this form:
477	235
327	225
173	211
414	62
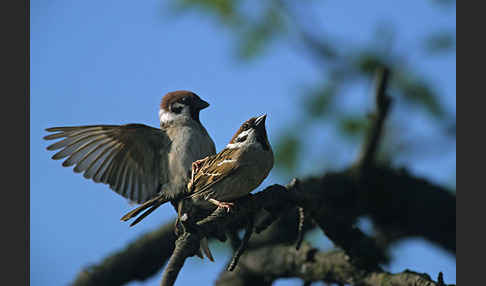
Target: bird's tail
151	205
204	248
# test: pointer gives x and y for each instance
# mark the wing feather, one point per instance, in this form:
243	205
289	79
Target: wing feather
117	175
103	162
130	183
111	165
214	170
83	152
94	156
129	158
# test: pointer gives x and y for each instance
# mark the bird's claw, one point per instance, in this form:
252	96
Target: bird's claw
225	205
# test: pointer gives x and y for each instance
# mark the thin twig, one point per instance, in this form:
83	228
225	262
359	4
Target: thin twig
235	241
300	230
383	102
440	279
243	246
295	185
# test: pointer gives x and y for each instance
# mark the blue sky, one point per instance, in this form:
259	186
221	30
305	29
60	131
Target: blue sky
110	62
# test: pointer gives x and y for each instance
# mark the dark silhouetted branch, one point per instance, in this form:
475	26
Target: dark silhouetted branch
186	245
140	260
383	102
300	230
395	200
363	251
283	261
242	247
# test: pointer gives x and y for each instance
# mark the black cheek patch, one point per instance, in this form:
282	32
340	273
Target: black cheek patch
195	114
241	139
175	110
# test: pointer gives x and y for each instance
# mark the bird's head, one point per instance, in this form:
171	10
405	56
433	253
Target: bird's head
251	132
181	104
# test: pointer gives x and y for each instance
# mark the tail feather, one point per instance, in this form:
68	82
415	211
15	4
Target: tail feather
136	211
149	211
152	204
199	254
205	248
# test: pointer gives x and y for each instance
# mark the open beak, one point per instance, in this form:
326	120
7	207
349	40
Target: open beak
260	121
201	104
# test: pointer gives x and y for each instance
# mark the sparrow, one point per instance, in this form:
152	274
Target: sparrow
139	162
234	172
231	174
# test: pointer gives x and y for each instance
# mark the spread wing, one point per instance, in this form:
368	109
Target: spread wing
213	169
130	158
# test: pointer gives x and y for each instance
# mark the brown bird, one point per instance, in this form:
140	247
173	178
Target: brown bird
235	171
139	162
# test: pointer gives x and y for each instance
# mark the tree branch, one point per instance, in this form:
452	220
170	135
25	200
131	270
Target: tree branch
243	246
374	135
186	245
140	260
396	201
283	261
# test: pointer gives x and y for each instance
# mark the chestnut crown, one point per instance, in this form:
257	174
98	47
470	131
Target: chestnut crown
181	103
251	131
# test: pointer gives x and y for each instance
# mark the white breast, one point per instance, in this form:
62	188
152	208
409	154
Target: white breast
189	143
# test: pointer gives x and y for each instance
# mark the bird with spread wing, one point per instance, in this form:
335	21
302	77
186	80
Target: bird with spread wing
139	162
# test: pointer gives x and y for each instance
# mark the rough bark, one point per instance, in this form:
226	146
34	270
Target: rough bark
281	261
398	202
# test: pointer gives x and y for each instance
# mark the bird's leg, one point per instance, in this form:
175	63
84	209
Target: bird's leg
226	205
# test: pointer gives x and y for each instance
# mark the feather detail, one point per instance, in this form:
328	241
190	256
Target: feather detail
213	170
204	246
153	204
129	158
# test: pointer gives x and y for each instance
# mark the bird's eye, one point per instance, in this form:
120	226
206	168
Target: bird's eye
184	100
176	108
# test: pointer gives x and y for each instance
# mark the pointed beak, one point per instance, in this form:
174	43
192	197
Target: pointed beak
260	121
201	104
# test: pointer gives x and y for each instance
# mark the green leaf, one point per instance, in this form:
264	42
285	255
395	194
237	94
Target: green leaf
224	9
317	103
417	91
368	62
258	35
352	126
440	42
286	152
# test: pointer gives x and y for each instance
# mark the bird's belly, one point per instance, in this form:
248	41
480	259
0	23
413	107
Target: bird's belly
188	147
235	187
